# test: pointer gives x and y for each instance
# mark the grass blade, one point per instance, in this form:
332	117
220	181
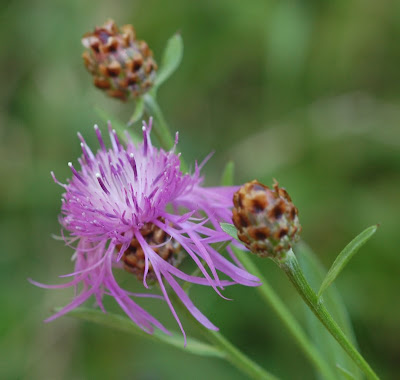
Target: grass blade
344	257
122	323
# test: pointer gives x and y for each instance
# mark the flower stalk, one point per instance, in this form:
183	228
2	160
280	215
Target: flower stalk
291	267
272	299
161	129
232	354
236	357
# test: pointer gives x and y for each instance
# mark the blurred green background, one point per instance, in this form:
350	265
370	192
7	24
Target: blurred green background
307	92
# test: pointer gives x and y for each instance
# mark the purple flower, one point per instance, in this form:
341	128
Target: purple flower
132	207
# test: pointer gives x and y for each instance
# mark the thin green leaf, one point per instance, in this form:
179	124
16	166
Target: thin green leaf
230	229
344	257
124	324
171	59
227	176
138	112
327	345
347	374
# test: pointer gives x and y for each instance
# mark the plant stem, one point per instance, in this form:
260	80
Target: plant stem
291	267
235	356
268	294
161	128
232	354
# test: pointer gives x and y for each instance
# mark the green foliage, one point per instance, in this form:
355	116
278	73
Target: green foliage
227	175
230	229
347	374
171	59
344	257
328	347
119	322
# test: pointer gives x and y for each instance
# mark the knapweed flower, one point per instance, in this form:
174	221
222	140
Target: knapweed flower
266	219
132	207
121	65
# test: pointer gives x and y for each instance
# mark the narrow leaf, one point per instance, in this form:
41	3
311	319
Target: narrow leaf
171	59
230	229
227	176
344	257
138	112
347	374
124	324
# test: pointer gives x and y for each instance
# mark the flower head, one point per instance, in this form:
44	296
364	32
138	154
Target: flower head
121	65
266	219
132	207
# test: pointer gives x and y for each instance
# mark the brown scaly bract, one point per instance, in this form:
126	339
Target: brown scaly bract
266	219
121	65
165	247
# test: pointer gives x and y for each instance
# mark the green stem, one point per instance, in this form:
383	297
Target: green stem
268	294
232	354
161	128
235	356
291	267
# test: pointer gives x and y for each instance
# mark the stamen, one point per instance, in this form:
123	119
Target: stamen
158	178
117	140
153	192
76	174
103	186
103	174
112	137
133	164
144	140
99	137
88	150
86	155
57	181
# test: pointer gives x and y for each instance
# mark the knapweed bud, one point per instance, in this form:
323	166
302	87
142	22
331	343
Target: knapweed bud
266	219
160	242
121	65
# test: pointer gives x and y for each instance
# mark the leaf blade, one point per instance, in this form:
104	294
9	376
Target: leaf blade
227	175
230	229
124	324
171	59
345	255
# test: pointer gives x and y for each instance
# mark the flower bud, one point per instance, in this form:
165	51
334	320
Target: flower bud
121	65
266	219
160	242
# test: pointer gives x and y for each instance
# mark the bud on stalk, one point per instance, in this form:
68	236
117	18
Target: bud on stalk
266	219
121	65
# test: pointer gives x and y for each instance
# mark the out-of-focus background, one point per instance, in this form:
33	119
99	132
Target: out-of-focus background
307	92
